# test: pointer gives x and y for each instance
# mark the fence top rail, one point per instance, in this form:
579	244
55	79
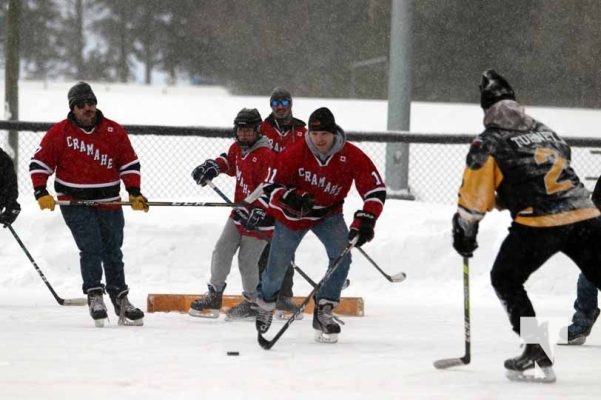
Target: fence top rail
384	137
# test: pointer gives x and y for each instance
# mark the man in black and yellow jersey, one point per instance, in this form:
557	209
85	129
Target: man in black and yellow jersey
520	164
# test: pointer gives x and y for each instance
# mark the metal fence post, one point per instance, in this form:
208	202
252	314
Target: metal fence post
399	99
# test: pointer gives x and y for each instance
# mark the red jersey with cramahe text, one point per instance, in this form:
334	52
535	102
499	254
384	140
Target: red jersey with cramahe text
328	183
87	165
280	140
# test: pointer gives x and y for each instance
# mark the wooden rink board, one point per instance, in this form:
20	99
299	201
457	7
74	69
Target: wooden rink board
352	306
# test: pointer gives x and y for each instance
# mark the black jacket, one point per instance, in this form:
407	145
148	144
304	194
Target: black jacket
8	182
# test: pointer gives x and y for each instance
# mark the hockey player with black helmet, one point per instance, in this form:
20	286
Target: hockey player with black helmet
526	166
246	228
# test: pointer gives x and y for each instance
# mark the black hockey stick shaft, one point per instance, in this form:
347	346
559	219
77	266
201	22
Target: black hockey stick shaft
466	310
394	278
61	301
452	362
268	344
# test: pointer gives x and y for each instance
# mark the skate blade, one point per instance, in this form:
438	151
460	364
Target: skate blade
579	341
321	337
542	375
250	318
281	315
130	322
99	323
212	314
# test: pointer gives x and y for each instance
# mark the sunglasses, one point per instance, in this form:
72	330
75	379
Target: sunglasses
285	103
83	103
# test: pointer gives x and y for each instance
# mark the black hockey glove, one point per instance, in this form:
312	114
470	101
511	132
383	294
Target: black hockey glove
255	218
362	227
464	236
299	202
206	171
10	214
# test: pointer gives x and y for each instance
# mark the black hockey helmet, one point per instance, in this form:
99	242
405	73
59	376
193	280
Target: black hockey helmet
247	118
494	88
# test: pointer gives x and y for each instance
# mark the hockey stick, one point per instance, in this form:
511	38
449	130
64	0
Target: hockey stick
400	277
265	237
453	362
251	198
62	302
150	203
268	344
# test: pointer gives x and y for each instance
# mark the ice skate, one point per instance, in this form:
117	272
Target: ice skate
97	306
580	328
129	315
243	311
208	305
285	308
264	314
325	326
533	360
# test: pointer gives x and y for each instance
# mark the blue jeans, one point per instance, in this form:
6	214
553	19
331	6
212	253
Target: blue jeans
586	299
332	232
99	237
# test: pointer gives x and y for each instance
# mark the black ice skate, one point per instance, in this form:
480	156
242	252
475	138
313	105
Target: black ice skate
242	311
128	314
533	359
285	308
97	306
324	323
208	305
581	327
264	314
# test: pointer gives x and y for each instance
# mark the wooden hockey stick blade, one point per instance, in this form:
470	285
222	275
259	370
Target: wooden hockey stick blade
450	362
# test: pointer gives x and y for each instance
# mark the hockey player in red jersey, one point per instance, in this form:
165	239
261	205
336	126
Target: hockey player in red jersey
247	228
90	155
307	186
282	129
521	164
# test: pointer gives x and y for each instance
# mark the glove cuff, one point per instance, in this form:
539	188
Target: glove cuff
40	192
133	191
363	218
366	215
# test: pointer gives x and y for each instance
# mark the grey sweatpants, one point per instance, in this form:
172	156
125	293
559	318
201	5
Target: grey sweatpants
249	251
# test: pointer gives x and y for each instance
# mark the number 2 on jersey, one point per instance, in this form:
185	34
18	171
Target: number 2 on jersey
552	184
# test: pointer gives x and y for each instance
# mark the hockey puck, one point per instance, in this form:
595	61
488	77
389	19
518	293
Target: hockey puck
233	353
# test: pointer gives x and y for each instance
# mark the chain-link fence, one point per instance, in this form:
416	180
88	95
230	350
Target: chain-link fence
169	154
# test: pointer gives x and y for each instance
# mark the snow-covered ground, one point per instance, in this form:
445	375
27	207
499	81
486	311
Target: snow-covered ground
53	352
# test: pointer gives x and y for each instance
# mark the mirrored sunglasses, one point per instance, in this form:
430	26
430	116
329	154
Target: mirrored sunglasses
83	103
284	102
